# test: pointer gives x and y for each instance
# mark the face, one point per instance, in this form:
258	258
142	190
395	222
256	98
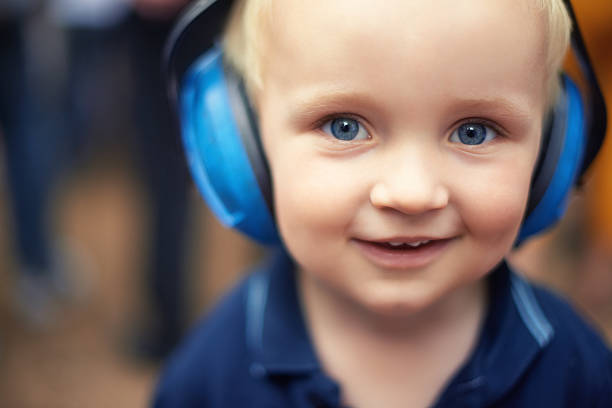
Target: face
401	137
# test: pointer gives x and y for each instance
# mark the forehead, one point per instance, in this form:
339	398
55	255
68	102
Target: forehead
429	45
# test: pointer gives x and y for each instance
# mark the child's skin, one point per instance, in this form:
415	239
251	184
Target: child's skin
407	77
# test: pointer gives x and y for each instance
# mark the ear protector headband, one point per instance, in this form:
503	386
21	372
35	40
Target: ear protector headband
224	152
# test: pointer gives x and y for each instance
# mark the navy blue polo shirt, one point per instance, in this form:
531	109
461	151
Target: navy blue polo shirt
254	350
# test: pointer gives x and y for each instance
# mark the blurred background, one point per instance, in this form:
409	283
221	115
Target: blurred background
107	253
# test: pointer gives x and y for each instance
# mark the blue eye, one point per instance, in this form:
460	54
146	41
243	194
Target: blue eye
473	134
345	129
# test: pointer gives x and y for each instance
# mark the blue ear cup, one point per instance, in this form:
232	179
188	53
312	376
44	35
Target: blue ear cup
561	158
222	150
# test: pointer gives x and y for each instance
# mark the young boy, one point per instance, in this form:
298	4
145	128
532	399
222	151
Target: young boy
401	138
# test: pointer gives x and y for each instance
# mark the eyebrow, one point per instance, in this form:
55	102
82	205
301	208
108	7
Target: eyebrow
503	108
329	99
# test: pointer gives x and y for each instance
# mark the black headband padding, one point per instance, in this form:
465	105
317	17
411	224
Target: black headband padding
195	32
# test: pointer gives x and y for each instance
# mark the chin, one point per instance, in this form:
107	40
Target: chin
394	306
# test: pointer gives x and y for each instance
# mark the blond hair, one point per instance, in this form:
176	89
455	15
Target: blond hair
243	45
242	39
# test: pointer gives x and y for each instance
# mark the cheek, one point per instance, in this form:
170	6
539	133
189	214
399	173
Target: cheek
314	199
311	196
313	211
492	207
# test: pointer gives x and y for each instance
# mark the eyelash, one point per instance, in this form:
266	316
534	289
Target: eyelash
319	123
480	121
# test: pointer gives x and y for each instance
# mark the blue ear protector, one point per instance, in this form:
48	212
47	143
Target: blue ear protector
224	152
223	148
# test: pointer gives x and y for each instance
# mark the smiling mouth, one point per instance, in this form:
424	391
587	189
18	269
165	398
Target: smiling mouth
403	254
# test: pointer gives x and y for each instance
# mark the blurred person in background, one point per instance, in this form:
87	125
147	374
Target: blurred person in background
104	37
77	76
31	132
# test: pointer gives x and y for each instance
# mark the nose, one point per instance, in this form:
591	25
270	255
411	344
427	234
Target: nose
411	185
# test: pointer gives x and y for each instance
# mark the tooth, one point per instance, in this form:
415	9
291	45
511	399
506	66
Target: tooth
417	244
410	244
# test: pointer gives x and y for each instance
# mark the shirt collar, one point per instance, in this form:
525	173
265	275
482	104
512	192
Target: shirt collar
276	330
513	334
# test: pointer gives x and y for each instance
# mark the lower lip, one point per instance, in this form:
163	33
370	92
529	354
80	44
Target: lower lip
412	258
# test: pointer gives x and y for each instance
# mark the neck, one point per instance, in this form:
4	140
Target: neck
412	354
